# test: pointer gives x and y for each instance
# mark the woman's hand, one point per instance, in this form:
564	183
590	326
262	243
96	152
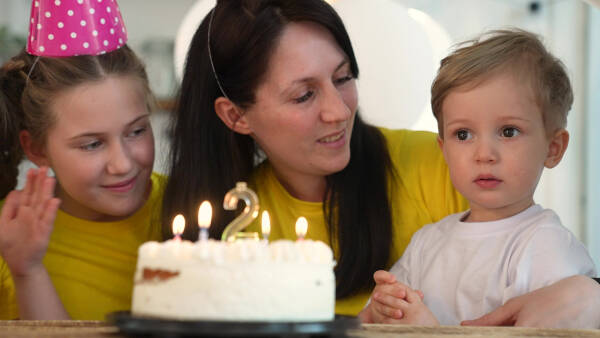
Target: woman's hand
26	222
573	302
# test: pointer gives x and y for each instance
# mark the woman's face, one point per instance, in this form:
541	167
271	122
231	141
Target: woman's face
305	106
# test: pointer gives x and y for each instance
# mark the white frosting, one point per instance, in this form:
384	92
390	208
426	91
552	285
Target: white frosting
244	280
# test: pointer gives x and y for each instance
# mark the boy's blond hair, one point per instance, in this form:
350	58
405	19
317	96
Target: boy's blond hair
516	51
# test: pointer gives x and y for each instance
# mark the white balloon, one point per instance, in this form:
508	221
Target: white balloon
395	58
440	42
186	31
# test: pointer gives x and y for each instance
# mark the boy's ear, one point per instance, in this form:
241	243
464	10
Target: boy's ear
440	141
556	148
35	152
232	115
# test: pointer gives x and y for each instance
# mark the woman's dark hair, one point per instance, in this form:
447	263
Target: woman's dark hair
208	158
27	89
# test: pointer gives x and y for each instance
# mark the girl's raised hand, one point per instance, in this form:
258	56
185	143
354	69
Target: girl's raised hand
26	222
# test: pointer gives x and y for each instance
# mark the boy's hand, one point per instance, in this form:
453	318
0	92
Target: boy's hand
415	311
386	300
26	222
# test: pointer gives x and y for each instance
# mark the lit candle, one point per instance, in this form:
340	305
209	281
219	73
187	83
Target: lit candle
301	228
178	227
266	226
204	217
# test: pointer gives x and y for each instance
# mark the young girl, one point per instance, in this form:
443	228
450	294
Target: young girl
87	118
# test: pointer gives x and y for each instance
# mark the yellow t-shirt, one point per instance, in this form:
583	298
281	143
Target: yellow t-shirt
91	264
421	194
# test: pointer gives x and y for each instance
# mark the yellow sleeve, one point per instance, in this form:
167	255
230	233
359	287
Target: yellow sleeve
8	297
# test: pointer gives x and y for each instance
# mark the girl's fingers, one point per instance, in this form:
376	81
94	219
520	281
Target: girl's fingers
45	193
49	214
36	196
49	205
28	189
10	207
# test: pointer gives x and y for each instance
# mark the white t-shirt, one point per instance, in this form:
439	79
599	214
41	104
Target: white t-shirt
466	270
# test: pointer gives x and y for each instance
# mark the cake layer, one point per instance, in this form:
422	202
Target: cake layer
237	281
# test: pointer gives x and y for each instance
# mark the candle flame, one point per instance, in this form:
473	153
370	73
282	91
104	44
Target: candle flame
178	225
266	224
301	227
204	215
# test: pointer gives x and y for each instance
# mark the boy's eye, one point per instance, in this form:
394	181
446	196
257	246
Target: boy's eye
304	97
510	132
463	135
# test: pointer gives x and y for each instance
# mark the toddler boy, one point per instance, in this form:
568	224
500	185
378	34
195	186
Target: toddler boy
501	103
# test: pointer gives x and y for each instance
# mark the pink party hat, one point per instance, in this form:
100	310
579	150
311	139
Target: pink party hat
60	28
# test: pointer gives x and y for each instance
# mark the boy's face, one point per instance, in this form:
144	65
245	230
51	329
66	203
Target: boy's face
495	145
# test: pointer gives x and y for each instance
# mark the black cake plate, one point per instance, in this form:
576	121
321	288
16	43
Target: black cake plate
153	327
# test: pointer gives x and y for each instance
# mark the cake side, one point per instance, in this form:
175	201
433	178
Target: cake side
241	281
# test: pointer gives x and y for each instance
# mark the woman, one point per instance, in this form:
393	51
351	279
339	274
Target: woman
276	80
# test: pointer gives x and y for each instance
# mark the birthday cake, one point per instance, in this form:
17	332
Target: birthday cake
244	280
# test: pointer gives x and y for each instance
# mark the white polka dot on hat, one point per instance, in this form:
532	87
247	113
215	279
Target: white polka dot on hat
60	28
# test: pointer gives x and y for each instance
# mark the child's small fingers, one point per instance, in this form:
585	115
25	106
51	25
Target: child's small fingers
420	293
49	214
28	189
45	193
397	290
392	321
41	177
394	289
48	188
10	207
37	199
388	300
413	296
387	311
382	276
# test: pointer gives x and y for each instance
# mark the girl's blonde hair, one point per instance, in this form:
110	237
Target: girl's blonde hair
27	88
517	51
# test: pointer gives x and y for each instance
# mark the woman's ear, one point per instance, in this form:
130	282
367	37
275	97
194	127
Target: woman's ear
556	148
34	151
232	115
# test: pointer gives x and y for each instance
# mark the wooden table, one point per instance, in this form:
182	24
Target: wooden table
406	331
99	329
